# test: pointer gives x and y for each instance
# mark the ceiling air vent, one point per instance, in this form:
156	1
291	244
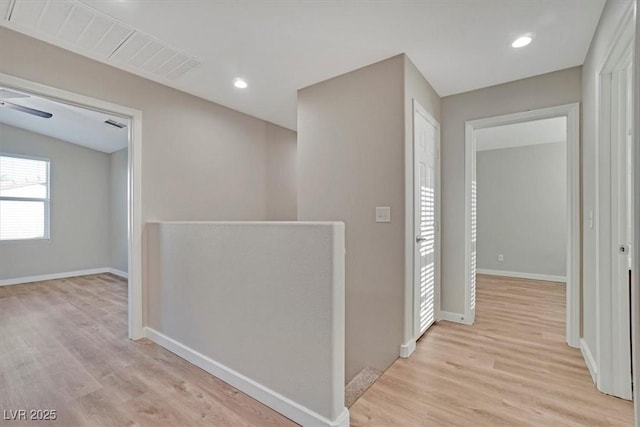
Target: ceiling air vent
71	22
77	26
144	53
114	123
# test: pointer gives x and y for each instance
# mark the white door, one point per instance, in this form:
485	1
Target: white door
426	212
622	223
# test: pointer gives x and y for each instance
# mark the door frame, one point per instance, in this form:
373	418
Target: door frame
635	284
134	205
572	114
610	300
410	337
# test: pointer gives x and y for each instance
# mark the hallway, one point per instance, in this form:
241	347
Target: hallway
511	368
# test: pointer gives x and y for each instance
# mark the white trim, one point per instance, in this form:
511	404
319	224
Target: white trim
134	181
589	360
407	349
573	280
532	276
119	273
54	276
408	234
272	399
572	113
611	339
635	286
529	144
449	316
134	220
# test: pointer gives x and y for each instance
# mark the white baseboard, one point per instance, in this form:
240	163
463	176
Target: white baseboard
407	349
452	317
119	273
518	275
589	360
29	279
272	399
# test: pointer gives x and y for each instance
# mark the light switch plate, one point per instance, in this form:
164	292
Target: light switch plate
383	214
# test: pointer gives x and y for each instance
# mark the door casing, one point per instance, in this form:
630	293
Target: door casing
134	186
612	353
572	113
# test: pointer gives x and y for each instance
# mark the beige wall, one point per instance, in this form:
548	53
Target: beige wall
417	87
281	189
118	195
282	180
604	36
547	90
79	226
522	209
200	160
351	158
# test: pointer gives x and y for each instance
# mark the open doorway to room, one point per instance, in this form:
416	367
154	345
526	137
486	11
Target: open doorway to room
521	228
501	198
66	246
109	135
507	150
64	204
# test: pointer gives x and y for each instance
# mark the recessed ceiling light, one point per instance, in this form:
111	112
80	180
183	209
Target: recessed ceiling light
240	83
521	41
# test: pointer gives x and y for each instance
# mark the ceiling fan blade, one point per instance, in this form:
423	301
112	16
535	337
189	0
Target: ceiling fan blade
28	110
6	94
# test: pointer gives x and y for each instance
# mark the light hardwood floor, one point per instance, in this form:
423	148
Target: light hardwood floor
64	346
512	368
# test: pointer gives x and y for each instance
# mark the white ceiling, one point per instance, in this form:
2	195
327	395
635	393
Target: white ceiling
282	46
521	134
69	123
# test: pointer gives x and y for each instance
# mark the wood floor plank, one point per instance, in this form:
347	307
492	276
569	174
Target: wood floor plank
511	368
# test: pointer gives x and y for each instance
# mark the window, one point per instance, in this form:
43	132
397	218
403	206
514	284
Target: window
24	198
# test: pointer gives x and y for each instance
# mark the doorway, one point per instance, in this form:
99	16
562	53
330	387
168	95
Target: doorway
571	114
133	181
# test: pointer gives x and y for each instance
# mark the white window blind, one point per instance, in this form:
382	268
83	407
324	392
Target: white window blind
24	198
